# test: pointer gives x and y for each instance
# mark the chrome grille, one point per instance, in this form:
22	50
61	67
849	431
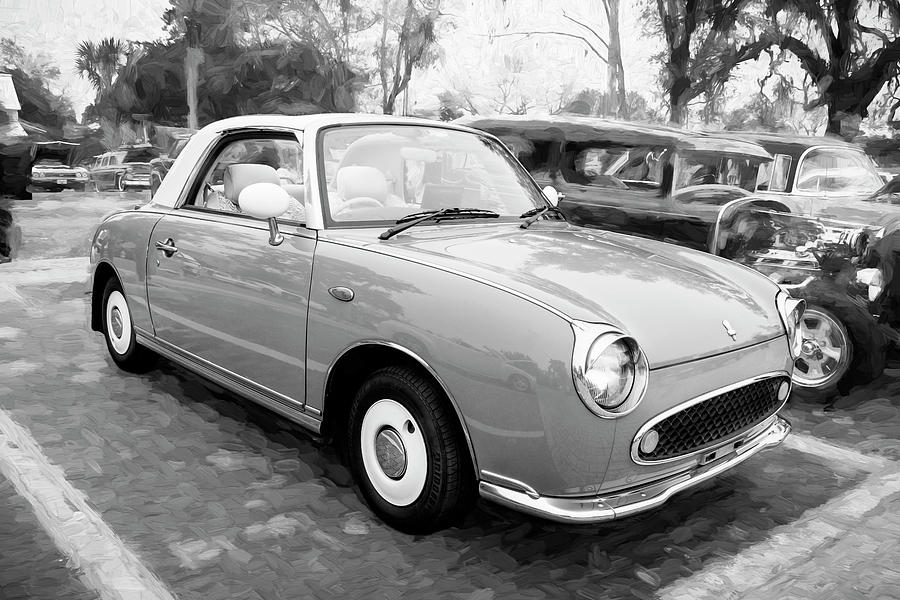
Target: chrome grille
715	419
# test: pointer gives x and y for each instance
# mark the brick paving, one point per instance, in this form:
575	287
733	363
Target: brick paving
223	499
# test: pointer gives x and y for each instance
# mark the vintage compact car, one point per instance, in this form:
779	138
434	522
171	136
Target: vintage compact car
404	288
703	191
123	169
159	167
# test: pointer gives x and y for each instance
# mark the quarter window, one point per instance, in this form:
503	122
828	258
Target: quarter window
282	162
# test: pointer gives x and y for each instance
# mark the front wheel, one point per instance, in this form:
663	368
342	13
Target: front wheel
825	355
406	453
120	182
119	332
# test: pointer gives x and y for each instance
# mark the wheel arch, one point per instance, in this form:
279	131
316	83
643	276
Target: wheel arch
102	274
359	360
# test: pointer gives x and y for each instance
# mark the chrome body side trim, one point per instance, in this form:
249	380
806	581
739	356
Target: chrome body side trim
425	365
510	483
288	407
600	508
635	445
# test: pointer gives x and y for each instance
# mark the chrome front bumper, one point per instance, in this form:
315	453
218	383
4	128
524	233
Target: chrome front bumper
622	504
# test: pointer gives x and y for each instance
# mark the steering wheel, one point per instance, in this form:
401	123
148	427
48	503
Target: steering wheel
359	202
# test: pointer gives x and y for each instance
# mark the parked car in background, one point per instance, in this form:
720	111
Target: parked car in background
123	169
702	191
52	171
159	167
52	175
280	253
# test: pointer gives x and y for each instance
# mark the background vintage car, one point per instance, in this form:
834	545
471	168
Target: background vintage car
121	169
650	367
52	170
614	176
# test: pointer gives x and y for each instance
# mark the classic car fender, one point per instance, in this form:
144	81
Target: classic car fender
120	243
465	331
731	208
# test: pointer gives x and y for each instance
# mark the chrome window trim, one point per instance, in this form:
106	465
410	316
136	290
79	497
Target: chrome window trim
444	388
635	444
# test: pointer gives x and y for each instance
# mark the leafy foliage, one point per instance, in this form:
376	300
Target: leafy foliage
31	77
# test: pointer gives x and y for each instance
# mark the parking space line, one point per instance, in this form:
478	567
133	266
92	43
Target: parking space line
841	457
108	565
789	546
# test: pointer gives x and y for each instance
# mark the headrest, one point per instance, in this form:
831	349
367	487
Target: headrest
239	176
361	181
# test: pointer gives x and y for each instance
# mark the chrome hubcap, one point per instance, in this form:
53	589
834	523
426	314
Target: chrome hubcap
824	353
391	453
117	322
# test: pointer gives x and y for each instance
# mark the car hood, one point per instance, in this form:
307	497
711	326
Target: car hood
672	300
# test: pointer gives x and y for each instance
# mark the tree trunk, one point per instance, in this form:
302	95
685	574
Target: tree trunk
192	60
615	71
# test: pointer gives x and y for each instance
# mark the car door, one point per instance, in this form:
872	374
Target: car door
220	294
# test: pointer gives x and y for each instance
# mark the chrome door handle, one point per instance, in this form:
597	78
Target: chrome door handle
168	247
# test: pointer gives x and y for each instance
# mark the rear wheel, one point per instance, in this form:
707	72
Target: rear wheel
119	332
406	453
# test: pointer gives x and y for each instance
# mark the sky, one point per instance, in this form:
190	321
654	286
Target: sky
470	57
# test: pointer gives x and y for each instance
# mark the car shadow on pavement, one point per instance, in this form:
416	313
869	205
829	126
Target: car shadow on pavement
509	552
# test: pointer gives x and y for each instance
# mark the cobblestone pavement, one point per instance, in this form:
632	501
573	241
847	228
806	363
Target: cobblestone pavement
222	499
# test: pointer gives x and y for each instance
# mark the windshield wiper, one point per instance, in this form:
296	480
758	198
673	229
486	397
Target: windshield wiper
408	221
536	213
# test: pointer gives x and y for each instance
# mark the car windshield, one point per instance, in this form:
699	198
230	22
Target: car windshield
701	168
838	171
376	174
49	162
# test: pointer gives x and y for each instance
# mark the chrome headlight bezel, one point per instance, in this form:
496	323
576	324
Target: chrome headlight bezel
791	312
591	341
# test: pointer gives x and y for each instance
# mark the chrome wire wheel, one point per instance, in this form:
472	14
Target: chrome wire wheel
393	452
826	350
118	322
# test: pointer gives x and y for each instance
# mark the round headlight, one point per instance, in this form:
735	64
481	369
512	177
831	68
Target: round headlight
610	373
611	376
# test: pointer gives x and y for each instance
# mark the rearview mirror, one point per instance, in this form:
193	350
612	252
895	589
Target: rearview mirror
553	197
265	201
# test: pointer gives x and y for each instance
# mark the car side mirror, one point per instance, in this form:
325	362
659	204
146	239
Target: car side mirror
265	201
553	197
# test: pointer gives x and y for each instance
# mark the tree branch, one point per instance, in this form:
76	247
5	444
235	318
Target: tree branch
560	33
811	62
594	33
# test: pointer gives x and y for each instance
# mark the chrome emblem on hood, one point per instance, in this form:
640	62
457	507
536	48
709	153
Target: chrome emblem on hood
729	330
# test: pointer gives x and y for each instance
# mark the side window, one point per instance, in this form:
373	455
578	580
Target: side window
244	161
104	162
781	167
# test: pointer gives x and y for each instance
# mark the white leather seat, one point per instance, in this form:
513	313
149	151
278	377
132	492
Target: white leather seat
240	175
358	181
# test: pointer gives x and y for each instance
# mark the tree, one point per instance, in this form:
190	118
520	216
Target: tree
407	41
32	77
100	62
849	49
702	46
